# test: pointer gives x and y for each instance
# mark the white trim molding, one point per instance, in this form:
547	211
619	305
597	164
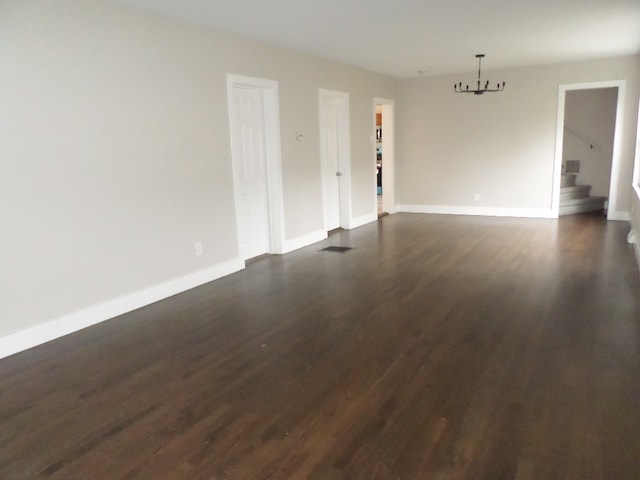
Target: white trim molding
304	240
479	211
363	220
320	235
72	322
633	239
618	215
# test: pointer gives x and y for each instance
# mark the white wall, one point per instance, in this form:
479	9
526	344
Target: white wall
635	224
635	196
499	145
115	154
590	118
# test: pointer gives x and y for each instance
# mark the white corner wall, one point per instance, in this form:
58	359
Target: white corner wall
498	148
115	157
634	220
635	196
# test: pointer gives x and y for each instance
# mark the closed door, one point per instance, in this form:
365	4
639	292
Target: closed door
330	157
250	171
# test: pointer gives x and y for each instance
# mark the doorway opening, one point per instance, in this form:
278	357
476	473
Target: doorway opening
587	154
384	156
379	159
257	172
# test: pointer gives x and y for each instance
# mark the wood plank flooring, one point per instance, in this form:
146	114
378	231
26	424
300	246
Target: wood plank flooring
439	347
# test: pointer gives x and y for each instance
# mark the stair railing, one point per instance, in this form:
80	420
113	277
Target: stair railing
581	137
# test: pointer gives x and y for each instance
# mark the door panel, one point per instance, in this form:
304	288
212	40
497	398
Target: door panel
249	158
330	158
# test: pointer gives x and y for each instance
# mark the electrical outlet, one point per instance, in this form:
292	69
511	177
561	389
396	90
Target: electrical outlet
476	197
198	247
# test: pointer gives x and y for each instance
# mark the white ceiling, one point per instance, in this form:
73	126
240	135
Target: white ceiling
402	37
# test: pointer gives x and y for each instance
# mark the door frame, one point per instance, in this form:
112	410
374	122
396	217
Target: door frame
636	160
344	155
612	212
271	109
388	155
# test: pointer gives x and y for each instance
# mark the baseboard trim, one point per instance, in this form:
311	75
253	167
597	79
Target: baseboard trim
72	322
304	241
478	211
363	220
633	239
620	216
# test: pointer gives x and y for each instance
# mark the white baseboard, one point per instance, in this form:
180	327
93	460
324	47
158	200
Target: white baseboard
634	240
320	235
304	241
621	216
479	211
72	322
363	220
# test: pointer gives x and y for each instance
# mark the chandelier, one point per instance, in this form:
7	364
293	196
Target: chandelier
479	91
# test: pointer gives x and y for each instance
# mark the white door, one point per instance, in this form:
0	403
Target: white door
250	171
330	158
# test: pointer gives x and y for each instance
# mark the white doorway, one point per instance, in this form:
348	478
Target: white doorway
384	155
335	157
255	152
620	85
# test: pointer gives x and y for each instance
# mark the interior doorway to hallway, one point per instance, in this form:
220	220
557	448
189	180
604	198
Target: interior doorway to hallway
384	156
379	158
588	148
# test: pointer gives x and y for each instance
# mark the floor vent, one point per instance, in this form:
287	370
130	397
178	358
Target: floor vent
336	249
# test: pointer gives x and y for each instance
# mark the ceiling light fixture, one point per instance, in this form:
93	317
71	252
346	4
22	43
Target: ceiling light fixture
479	91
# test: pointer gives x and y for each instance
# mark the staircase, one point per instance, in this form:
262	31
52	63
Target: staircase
576	199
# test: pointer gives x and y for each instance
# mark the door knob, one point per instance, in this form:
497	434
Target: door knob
338	174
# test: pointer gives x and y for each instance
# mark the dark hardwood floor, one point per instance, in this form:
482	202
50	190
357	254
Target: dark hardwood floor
439	347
